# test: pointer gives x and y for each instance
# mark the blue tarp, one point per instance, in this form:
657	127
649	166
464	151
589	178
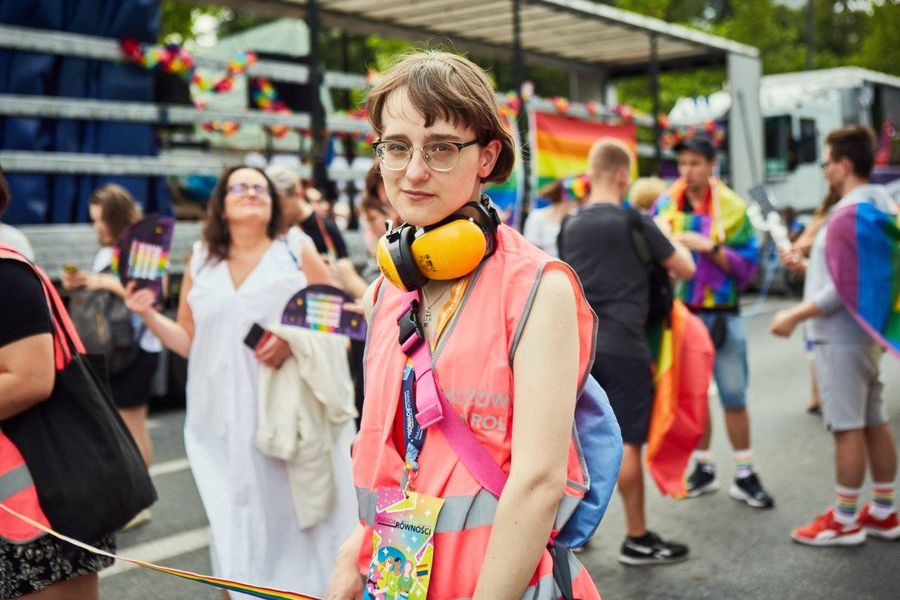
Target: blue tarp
49	198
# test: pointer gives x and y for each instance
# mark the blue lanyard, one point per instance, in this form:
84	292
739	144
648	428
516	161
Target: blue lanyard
415	435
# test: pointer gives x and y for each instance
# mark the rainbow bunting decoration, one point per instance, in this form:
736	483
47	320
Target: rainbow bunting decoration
256	591
684	365
725	222
862	251
561	143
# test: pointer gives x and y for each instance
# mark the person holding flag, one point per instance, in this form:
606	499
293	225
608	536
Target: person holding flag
711	220
851	314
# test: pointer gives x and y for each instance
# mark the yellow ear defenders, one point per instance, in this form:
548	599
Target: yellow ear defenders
409	256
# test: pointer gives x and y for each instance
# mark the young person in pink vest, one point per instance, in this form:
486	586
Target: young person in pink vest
512	338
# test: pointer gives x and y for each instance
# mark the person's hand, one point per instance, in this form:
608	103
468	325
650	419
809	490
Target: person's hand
695	242
74	280
783	323
792	259
354	307
273	352
664	226
139	301
346	583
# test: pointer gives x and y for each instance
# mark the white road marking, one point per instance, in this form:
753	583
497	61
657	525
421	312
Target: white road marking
171	466
159	550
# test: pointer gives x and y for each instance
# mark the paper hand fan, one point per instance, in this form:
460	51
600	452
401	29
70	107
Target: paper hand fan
321	308
142	253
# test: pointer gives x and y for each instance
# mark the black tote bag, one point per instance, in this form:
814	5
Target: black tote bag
87	470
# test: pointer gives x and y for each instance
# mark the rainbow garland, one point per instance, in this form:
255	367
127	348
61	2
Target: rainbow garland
675	135
256	591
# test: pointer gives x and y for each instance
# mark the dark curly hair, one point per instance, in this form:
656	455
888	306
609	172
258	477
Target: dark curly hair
215	232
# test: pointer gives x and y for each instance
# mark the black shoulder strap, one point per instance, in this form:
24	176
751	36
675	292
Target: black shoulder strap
559	237
638	238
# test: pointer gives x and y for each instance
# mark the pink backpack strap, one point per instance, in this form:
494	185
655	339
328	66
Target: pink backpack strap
432	408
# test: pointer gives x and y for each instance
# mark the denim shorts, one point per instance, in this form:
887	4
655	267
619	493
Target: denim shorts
730	368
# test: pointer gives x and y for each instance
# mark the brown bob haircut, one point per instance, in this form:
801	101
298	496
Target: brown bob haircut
215	231
856	143
118	210
441	85
5	195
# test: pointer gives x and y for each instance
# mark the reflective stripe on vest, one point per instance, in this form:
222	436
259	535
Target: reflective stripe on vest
17	491
462	512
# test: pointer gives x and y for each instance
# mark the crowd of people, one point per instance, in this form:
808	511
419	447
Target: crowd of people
513	326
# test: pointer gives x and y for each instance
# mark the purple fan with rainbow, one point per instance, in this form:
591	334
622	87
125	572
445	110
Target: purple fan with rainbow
142	253
321	308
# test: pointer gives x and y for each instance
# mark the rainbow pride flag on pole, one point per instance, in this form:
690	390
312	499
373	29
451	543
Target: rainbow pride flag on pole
560	144
684	367
862	250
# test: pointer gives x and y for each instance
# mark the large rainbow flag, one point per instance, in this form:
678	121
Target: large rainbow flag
725	222
684	367
862	250
560	144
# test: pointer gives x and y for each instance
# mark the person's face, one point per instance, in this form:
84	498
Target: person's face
420	195
375	222
247	198
104	237
836	171
695	169
290	208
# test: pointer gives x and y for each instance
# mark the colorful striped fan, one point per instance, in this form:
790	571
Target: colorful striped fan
862	250
142	253
321	308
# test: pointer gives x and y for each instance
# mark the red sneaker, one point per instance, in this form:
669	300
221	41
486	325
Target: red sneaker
825	531
887	528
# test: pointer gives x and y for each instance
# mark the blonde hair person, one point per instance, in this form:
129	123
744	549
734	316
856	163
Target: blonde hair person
644	192
440	138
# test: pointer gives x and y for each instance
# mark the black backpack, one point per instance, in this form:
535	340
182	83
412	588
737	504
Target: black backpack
105	326
661	292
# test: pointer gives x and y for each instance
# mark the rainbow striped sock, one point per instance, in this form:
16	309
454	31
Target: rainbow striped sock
845	503
743	461
883	500
704	460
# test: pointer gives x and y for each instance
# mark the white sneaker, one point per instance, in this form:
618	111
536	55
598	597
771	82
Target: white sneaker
142	518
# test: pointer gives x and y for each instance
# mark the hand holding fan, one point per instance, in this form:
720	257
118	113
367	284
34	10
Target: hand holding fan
142	253
322	308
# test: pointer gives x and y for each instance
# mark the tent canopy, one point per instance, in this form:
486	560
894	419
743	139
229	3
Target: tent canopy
568	33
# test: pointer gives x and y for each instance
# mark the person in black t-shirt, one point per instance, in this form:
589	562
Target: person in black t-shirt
597	243
27	375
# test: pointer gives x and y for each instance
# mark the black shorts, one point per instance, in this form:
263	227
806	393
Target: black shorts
629	384
131	388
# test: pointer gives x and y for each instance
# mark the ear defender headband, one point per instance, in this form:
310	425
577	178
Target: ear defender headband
409	257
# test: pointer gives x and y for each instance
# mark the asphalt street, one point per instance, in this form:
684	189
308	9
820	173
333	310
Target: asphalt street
736	551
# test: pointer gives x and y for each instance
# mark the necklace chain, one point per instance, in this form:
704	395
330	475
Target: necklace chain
426	317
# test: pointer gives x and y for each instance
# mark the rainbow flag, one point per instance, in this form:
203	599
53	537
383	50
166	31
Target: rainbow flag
508	195
684	366
725	222
862	250
560	145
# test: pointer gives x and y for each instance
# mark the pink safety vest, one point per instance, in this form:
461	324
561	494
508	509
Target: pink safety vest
473	366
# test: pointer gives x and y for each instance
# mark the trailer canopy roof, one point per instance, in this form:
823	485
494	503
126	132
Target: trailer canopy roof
567	33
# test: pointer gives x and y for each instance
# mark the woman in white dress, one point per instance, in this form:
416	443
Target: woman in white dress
242	273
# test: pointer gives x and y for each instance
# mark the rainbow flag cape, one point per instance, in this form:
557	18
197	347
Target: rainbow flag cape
862	251
726	223
508	195
560	145
684	367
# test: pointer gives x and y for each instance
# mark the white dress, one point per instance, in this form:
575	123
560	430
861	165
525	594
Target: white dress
247	497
